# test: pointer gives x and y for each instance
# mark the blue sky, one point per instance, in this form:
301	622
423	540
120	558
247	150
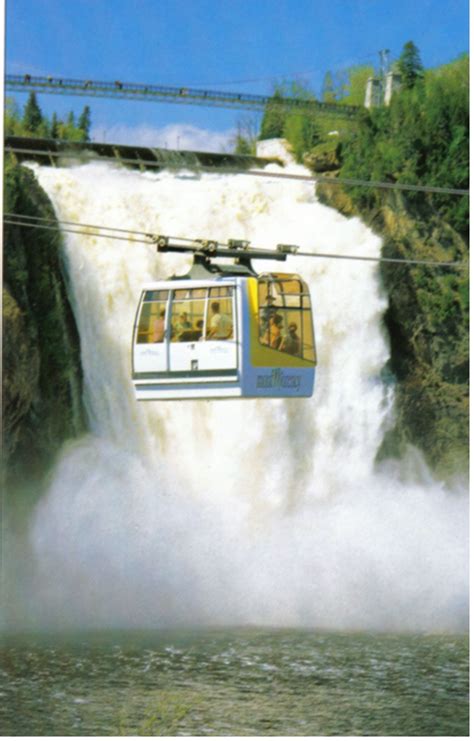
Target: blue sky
238	45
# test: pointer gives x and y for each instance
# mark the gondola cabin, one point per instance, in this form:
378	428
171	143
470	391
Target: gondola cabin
225	333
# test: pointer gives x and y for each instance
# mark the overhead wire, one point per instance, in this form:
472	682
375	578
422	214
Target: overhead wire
90	230
289	75
351	182
89	233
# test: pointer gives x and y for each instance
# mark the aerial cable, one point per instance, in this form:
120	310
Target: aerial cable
74	231
195	245
343	181
366	183
26	217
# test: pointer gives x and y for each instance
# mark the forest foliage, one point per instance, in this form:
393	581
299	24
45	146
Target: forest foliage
420	138
32	122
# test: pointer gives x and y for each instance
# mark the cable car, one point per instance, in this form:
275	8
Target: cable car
224	331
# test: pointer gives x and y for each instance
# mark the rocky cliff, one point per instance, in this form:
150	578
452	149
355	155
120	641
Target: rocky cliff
42	379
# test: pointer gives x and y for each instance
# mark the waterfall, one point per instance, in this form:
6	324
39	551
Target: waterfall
263	512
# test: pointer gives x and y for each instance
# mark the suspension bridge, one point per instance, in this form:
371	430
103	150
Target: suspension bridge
168	94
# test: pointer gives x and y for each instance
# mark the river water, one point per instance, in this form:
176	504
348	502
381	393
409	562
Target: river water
234	682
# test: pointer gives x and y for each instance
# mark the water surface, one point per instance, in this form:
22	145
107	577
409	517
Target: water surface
234	682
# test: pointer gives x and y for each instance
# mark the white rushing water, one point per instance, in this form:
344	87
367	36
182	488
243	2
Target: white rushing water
237	512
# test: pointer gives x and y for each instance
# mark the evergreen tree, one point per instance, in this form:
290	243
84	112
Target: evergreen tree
54	127
410	66
273	121
32	116
84	123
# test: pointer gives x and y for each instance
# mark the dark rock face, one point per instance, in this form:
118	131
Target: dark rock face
42	380
428	326
325	157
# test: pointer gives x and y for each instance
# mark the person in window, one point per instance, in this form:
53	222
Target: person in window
159	327
291	342
274	331
265	314
192	335
183	326
199	329
220	326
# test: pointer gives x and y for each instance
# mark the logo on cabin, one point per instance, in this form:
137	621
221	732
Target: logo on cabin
278	380
149	351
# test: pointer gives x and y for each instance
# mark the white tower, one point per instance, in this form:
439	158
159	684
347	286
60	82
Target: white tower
373	92
393	82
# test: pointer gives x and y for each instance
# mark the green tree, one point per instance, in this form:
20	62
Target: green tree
302	132
84	122
273	121
13	125
32	116
328	92
54	127
409	65
357	83
277	111
34	123
245	140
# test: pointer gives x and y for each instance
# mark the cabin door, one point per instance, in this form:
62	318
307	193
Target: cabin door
203	337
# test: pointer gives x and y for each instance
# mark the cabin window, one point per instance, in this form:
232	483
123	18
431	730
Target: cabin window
285	321
187	315
193	314
152	321
221	292
220	319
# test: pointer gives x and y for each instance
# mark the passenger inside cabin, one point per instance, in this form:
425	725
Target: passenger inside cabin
268	311
291	342
184	322
220	325
158	330
192	335
274	331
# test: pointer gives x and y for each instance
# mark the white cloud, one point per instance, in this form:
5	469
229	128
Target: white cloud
174	136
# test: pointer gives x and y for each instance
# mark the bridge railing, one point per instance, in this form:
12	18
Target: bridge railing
166	93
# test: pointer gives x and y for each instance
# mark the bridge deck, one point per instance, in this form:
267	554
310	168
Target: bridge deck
168	94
